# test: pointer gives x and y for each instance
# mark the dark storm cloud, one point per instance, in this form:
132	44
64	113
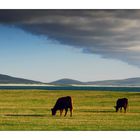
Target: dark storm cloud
109	33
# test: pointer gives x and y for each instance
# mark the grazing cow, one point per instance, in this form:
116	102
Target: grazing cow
61	104
123	102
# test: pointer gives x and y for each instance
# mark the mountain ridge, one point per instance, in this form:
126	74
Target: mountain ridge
121	82
66	81
6	79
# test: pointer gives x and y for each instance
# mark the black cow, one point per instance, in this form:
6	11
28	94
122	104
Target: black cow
122	102
61	104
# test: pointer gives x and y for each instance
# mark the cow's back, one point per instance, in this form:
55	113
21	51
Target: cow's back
63	102
122	102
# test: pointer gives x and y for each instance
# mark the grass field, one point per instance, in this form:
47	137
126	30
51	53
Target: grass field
93	110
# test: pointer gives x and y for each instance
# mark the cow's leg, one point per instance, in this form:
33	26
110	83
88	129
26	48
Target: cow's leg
61	111
71	112
124	109
66	110
120	109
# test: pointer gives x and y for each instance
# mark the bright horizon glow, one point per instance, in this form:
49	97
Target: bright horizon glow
37	58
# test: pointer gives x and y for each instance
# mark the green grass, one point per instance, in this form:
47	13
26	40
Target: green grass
93	110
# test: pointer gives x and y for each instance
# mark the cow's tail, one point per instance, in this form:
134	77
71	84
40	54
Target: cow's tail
127	104
71	101
71	106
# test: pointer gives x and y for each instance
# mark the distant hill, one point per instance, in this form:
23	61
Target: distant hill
123	82
67	82
5	79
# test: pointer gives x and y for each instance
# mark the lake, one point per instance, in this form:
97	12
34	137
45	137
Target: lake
94	88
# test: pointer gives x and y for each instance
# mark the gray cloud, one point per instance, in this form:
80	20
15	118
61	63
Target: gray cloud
110	33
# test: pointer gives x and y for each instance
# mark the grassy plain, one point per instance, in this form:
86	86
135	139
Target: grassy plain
93	110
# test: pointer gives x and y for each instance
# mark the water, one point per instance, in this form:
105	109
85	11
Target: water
128	89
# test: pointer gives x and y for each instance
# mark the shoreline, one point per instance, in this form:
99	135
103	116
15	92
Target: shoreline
74	85
26	85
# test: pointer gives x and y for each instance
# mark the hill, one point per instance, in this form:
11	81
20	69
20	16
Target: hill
67	82
122	82
6	79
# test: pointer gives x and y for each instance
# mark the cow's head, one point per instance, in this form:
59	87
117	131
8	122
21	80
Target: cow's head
53	111
116	108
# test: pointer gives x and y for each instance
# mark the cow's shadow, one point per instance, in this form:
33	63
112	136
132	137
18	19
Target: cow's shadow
26	115
99	111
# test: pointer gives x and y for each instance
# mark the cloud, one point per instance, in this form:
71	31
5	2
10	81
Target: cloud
112	34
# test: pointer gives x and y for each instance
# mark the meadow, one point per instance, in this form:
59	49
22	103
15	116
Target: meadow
93	110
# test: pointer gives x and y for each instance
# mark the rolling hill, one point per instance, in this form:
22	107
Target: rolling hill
122	82
6	79
67	82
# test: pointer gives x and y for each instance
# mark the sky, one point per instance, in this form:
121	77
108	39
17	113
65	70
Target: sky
85	45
